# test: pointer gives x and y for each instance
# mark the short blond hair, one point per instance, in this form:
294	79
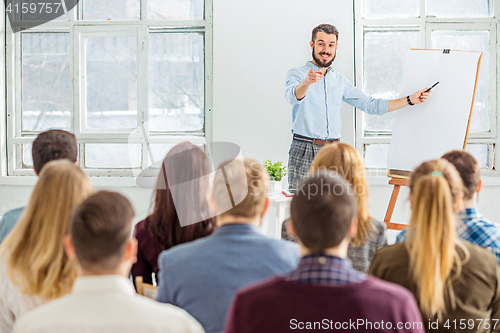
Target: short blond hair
240	188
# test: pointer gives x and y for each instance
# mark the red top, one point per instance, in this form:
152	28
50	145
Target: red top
147	255
277	305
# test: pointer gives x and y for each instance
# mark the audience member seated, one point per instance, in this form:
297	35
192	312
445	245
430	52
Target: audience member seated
371	234
162	229
454	281
471	226
33	266
48	146
103	298
324	292
203	276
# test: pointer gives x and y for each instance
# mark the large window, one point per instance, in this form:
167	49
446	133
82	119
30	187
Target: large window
387	29
108	69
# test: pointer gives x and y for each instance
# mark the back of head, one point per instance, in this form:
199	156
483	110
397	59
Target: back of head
468	168
240	188
435	187
347	162
322	210
100	229
53	145
183	186
183	183
37	261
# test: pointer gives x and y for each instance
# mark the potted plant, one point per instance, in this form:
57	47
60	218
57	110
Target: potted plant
276	171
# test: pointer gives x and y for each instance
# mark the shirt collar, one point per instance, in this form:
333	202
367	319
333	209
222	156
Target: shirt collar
316	68
322	269
469	213
237	228
100	284
466	218
323	259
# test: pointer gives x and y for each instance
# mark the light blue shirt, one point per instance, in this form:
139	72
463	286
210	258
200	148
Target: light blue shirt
317	115
8	222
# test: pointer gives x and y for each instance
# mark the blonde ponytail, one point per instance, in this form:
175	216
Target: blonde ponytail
435	188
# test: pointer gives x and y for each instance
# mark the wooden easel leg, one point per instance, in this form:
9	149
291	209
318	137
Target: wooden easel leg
392	204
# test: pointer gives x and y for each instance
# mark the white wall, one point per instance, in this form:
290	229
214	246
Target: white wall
255	44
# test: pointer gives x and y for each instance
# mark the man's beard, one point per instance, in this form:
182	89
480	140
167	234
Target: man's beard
320	62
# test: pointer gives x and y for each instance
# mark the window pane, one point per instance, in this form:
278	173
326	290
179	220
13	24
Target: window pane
484	154
64	17
376	156
459	8
38	10
111	9
471	41
384	58
111	82
176	84
390	8
27	157
45	81
159	151
175	9
112	155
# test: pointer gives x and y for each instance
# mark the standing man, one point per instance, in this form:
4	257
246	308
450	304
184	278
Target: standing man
316	92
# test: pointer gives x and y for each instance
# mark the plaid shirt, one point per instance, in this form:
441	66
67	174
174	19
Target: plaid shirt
473	227
320	269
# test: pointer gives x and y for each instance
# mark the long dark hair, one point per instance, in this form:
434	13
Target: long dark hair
185	164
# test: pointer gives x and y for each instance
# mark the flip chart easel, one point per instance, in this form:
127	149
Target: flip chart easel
401	177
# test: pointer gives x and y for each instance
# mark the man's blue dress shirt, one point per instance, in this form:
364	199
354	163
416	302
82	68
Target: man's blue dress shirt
317	115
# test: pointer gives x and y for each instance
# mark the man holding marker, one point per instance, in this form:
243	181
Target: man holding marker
316	92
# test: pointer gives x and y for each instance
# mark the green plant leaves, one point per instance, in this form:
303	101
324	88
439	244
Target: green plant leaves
276	170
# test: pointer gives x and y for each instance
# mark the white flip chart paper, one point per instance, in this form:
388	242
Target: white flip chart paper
426	131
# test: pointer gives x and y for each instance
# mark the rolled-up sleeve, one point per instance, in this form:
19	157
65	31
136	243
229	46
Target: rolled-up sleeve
355	97
292	81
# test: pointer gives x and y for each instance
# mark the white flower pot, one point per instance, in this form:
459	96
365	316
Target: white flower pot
275	187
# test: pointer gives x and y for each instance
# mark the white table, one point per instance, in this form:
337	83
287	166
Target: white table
275	222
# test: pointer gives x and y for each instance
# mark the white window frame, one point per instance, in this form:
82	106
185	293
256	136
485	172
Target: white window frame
426	25
11	133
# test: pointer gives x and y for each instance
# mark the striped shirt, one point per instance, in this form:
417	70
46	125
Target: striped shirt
473	227
325	270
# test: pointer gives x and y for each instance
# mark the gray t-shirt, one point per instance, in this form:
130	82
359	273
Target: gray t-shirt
361	256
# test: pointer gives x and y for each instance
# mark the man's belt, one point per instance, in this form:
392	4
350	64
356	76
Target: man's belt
315	141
